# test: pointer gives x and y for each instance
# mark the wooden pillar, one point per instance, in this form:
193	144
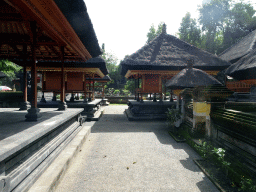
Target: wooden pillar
34	68
135	89
89	99
25	90
103	90
138	98
33	112
160	88
93	81
62	94
62	105
25	104
164	89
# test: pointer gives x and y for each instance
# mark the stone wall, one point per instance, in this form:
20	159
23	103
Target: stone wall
118	100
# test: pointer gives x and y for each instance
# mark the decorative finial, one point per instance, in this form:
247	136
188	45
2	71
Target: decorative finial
164	29
190	63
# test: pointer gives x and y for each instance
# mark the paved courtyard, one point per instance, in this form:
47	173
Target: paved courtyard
122	155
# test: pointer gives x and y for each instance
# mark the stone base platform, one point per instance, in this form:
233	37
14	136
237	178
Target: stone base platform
92	109
148	110
28	148
104	102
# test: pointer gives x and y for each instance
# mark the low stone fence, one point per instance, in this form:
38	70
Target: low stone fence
236	132
118	100
10	99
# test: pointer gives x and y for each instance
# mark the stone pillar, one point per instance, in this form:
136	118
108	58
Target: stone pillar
33	113
62	105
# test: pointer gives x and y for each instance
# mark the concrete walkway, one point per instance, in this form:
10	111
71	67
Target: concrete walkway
121	155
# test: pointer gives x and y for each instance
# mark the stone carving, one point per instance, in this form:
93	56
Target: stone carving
4	184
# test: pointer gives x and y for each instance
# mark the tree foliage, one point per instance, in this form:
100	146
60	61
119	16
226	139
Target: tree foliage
9	68
153	32
114	69
212	18
223	23
189	31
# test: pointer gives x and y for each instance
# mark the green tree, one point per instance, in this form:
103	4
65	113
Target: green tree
114	69
241	21
130	86
154	32
212	18
9	68
189	31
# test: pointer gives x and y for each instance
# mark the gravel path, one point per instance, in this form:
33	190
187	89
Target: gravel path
121	155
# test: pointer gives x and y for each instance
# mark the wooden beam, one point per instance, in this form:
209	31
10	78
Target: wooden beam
50	18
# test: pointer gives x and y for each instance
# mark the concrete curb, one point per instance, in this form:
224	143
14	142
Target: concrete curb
48	181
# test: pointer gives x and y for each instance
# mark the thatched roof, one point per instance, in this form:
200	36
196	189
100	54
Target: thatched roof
240	49
76	13
191	77
2	75
167	52
244	68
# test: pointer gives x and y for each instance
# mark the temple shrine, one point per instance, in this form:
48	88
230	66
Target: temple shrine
160	60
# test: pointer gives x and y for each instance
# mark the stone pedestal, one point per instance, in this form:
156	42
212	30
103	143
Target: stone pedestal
33	114
72	98
201	118
54	98
43	99
148	110
24	105
104	102
62	106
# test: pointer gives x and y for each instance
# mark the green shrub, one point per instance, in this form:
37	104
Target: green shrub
116	92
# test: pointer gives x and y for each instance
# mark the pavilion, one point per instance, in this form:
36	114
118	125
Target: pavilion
76	75
36	33
241	55
158	61
164	57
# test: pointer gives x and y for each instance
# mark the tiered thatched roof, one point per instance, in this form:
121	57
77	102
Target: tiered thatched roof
191	77
167	52
245	68
240	49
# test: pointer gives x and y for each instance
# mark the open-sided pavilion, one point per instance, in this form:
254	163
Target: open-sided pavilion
164	57
36	33
158	61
